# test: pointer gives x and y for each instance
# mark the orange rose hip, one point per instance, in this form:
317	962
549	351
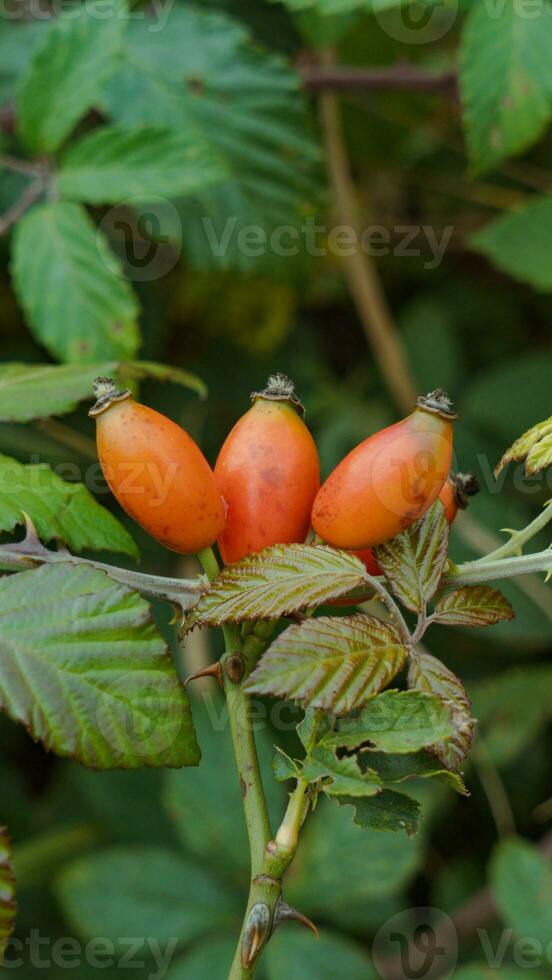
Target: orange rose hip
268	474
156	471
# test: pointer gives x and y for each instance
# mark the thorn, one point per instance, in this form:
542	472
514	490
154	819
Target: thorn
213	670
256	933
285	913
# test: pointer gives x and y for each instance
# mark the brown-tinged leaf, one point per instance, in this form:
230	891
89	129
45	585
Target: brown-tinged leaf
7	893
335	663
534	446
428	674
278	581
477	605
414	561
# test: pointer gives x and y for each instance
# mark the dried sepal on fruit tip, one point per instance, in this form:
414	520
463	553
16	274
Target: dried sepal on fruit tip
106	393
437	402
280	388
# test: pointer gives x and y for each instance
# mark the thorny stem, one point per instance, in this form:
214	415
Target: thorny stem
485	570
519	538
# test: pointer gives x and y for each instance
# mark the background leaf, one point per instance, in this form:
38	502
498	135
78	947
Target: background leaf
59	510
388	811
330	663
143	892
83	667
70	286
506	93
516	243
113	163
521	881
298	956
414	561
67	73
7	893
277	581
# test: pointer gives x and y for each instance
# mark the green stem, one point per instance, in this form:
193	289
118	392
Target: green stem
485	570
520	538
245	752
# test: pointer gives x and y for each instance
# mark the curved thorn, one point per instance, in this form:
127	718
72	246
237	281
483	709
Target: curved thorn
213	670
285	913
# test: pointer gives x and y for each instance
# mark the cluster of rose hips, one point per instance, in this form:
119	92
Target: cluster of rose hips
265	487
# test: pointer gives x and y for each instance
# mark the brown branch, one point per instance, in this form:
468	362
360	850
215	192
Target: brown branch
396	78
360	269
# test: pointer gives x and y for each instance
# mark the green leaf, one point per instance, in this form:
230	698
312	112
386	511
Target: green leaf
276	582
415	765
8	907
505	86
478	605
395	721
534	446
413	562
388	811
67	73
112	164
210	959
84	669
149	891
340	777
32	391
335	663
58	510
332	7
340	866
516	243
204	75
70	286
298	956
481	971
284	767
428	674
512	708
521	882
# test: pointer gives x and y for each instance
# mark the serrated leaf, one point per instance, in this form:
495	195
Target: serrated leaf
83	667
504	79
428	674
521	882
341	776
67	73
58	510
8	907
478	605
71	287
514	242
33	391
204	74
113	164
414	562
284	767
415	765
335	663
141	891
388	811
395	721
276	582
535	446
